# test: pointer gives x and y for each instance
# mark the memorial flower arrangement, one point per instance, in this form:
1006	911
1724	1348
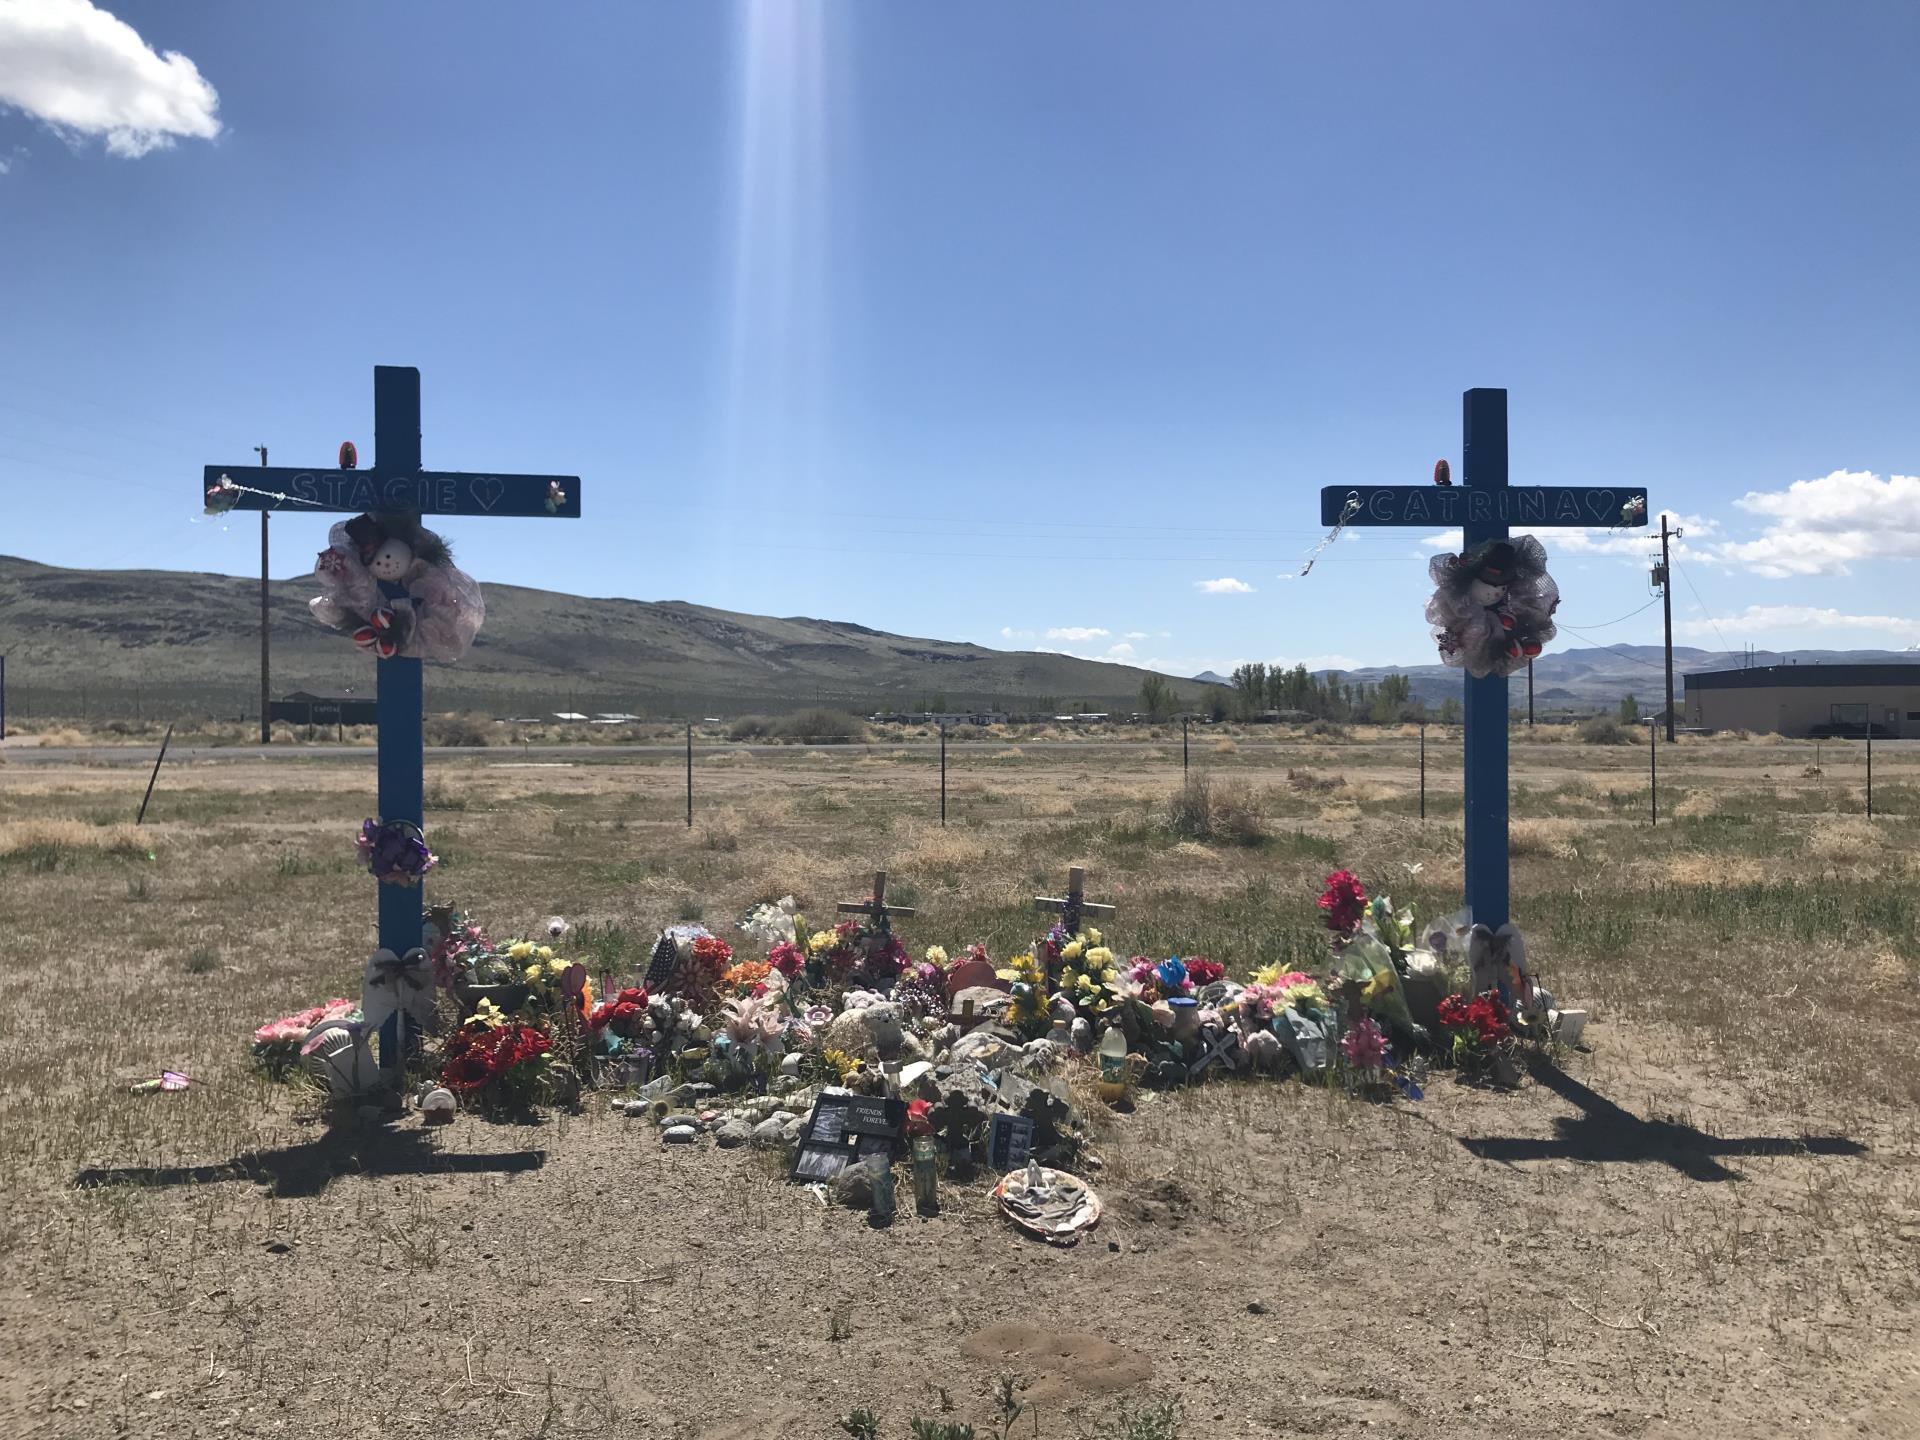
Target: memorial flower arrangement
748	977
1480	1032
394	851
1344	903
1364	1044
856	951
276	1044
497	1062
771	924
921	990
704	960
1062	948
787	959
1029	1013
838	1002
622	1019
1153	980
1091	980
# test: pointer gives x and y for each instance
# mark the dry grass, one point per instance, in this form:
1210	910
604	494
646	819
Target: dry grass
70	837
1750	962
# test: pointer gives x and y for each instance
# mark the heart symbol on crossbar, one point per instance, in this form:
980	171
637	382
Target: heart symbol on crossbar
486	492
1601	505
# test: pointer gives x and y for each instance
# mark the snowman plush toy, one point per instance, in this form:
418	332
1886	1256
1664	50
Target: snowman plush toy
1492	606
388	625
392	587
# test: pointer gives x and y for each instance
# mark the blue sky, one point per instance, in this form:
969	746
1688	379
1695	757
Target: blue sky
1025	324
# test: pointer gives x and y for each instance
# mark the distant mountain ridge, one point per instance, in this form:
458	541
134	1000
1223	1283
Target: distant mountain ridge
152	641
1595	676
161	642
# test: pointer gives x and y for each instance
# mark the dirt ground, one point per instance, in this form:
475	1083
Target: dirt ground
1706	1222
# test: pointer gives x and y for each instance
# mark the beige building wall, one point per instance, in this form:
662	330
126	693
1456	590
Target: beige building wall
1797	709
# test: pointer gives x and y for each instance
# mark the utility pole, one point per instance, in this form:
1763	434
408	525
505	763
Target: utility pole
1666	606
1529	694
266	724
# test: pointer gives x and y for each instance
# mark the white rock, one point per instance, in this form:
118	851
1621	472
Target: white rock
984	1048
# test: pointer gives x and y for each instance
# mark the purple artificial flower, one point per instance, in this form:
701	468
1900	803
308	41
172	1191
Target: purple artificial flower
395	852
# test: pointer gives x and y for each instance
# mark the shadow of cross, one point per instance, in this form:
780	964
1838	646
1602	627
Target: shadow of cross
306	1169
1603	1131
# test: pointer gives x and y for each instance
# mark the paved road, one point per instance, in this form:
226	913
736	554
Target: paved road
15	754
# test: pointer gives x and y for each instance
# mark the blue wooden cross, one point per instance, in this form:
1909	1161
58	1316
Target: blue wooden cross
1483	506
396	485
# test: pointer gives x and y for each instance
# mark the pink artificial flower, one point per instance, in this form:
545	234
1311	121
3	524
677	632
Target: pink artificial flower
1365	1044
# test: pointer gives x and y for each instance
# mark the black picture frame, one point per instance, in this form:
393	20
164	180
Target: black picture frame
1009	1142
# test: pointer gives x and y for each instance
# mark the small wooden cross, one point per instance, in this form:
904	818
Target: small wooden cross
958	1120
1073	906
875	908
1048	1113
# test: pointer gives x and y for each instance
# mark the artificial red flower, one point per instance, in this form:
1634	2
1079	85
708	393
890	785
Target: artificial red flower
787	958
478	1055
1203	972
1344	902
1483	1017
919	1118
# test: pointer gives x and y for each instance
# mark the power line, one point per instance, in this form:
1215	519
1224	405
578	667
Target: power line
1604	646
1604	624
1725	649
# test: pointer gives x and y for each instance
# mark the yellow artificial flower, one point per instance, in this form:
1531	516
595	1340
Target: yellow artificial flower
489	1014
1090	935
1379	985
840	1061
1071	950
555	965
1267	974
544	952
532	976
937	955
821	942
1099	957
520	949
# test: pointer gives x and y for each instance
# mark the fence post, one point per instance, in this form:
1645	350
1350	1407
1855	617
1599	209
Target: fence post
1869	769
1423	771
943	772
1183	745
1653	774
689	774
164	741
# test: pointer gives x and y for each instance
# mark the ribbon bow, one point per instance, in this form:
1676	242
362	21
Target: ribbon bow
393	971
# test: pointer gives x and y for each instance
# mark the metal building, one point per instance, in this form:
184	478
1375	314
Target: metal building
1808	700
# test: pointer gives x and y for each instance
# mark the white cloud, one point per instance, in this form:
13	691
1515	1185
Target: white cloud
85	73
1007	632
1138	635
1225	585
1077	632
1821	527
1599	540
1801	617
1120	651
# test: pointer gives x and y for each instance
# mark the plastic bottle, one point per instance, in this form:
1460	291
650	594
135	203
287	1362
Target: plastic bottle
1113	1065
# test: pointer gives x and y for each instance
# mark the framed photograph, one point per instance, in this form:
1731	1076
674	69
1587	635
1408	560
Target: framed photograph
819	1162
1009	1142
